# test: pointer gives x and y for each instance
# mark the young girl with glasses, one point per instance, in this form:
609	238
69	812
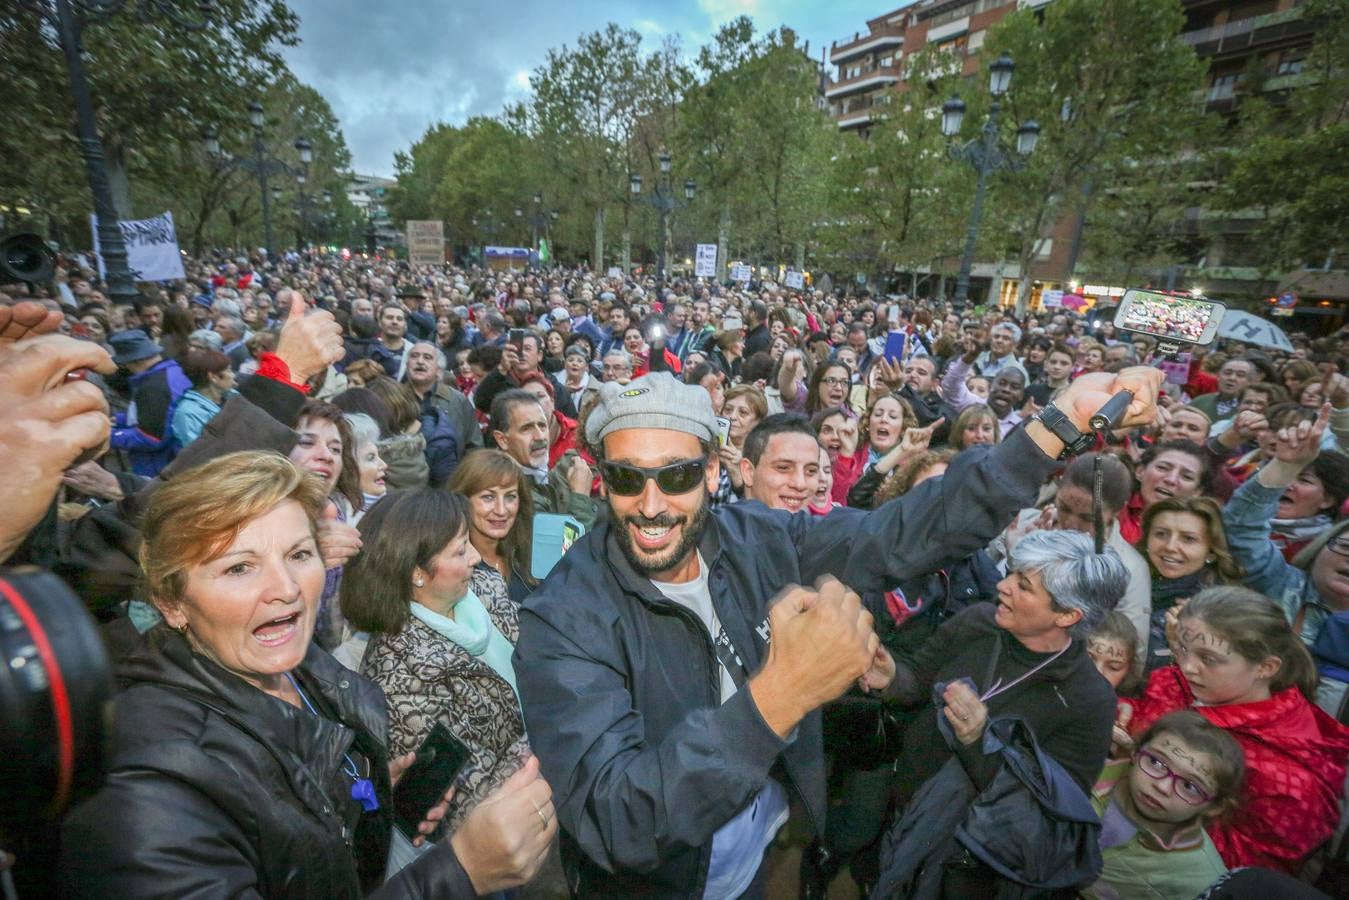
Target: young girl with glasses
1185	773
1243	669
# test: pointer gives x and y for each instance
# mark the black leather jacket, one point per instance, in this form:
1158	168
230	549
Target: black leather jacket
219	790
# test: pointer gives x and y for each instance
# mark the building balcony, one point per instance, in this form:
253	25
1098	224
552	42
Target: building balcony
1246	33
877	77
854	120
860	110
890	37
949	30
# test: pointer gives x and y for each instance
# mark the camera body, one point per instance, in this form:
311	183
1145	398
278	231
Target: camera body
56	687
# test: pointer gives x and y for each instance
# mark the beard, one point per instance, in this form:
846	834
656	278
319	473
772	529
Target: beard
689	534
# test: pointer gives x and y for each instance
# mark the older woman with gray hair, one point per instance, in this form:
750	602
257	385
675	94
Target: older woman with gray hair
1024	657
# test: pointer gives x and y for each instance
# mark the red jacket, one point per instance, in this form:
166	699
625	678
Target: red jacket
567	431
1295	767
847	470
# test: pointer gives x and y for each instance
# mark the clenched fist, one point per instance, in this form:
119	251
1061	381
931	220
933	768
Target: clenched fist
823	642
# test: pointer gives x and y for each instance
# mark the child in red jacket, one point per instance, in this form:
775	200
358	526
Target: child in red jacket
1239	665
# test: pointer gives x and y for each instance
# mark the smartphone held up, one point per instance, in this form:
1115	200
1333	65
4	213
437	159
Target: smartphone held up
1171	318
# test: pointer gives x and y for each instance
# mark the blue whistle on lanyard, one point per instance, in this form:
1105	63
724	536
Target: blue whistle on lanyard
363	792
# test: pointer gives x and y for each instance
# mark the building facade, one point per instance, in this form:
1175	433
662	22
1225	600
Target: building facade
1250	46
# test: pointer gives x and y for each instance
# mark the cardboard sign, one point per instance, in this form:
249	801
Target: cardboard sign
795	280
615	272
740	273
705	263
426	242
1177	370
151	248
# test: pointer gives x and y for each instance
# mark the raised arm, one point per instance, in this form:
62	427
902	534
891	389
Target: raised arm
1247	516
946	519
953	389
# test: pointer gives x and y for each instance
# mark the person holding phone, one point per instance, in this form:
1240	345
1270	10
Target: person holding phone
521	354
438	650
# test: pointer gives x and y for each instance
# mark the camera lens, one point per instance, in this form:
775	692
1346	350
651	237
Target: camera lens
55	687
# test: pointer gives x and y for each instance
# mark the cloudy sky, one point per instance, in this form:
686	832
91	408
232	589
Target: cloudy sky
392	69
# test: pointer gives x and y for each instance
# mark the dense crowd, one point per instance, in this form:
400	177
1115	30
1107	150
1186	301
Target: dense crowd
1009	656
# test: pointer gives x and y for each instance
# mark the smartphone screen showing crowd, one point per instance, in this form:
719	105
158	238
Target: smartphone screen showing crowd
1169	318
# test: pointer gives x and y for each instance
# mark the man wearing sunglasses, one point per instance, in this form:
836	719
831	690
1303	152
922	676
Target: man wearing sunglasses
670	667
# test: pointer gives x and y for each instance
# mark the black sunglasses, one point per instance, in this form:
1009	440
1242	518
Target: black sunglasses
674	479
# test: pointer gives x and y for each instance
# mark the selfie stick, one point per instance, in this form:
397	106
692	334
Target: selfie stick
1108	416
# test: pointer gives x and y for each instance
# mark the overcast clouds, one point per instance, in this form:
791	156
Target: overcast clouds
390	70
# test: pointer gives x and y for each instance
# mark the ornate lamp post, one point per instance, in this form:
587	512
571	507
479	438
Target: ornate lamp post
68	19
986	154
263	165
664	201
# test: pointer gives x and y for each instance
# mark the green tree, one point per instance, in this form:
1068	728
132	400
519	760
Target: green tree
758	143
155	85
1289	160
419	172
1110	83
712	133
581	115
894	192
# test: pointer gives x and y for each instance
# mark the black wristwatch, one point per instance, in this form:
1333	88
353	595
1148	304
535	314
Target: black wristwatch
1074	441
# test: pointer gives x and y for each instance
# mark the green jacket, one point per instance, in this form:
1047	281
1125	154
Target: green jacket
1143	868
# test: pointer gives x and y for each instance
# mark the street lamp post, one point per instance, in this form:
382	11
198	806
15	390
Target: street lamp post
664	201
986	154
263	165
68	18
306	151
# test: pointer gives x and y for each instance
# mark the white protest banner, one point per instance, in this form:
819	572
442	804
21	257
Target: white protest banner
795	280
615	272
705	263
1051	299
426	242
151	248
740	273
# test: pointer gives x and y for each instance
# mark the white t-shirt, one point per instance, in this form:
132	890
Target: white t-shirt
737	846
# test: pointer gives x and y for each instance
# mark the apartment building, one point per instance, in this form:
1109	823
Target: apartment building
867	66
1251	47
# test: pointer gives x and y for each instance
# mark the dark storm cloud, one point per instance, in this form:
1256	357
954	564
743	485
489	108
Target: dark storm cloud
392	69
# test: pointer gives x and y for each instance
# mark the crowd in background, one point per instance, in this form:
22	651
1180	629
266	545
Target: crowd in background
378	439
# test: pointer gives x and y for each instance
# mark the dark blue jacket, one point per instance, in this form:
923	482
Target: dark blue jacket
1032	829
620	686
442	445
145	431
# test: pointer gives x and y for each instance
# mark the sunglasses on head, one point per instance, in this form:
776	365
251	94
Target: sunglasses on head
676	478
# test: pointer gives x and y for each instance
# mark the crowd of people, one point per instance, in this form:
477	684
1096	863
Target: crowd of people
897	593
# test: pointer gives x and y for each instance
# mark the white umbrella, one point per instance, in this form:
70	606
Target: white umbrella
1242	326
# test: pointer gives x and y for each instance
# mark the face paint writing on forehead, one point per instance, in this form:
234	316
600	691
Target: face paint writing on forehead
1108	649
1195	637
1199	764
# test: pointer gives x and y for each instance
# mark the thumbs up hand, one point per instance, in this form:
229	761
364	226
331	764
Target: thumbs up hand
310	341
